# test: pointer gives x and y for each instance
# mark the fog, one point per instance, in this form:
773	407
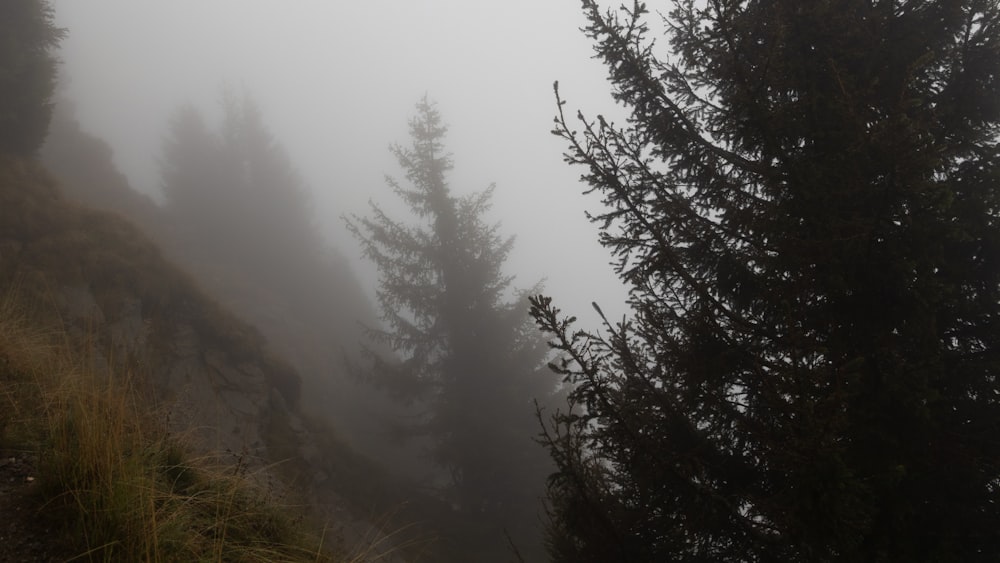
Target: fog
337	82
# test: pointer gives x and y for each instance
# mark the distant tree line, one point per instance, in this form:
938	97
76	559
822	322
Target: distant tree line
234	192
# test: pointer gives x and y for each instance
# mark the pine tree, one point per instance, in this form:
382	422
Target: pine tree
803	201
466	350
27	73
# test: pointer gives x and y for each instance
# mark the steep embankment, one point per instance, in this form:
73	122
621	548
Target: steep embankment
313	321
119	304
313	318
89	471
108	283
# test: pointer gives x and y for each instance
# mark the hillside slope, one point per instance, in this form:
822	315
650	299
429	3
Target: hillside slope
90	471
314	318
121	306
106	281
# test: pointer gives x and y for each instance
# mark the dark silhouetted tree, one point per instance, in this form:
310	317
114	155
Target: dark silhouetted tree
27	73
467	349
804	202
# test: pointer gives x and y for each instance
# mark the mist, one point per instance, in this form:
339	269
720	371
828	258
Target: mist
250	141
337	83
304	278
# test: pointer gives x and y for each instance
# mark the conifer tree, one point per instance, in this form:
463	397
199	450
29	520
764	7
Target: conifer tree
804	202
27	73
466	346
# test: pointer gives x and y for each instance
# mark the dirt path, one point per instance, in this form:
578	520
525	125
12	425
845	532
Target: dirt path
24	537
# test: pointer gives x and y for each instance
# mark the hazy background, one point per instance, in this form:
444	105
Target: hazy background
337	83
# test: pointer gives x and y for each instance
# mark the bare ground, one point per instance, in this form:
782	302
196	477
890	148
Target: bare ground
25	537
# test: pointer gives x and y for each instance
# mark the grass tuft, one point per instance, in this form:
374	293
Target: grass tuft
112	481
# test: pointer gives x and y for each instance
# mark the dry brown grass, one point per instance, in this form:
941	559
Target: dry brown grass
112	479
120	487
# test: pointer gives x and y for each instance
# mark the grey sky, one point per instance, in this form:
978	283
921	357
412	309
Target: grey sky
337	82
